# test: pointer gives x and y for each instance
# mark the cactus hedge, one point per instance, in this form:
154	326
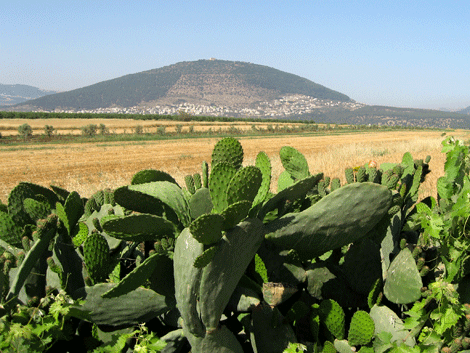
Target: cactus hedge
224	263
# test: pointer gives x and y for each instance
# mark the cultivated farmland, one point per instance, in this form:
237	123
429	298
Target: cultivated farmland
89	167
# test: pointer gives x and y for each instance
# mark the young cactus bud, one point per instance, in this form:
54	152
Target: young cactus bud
189	181
402	243
21	255
424	271
335	184
53	266
466	342
327	181
205	174
26	243
393	181
322	188
417	251
361	175
349	172
373	175
197	181
420	263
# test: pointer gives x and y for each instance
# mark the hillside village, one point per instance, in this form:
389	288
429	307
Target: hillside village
291	105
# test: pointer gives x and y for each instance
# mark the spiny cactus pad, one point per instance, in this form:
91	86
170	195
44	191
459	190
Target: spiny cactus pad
96	254
200	203
264	165
9	230
207	229
137	227
171	194
228	150
332	316
219	180
338	219
149	175
235	213
206	257
244	185
403	284
361	329
294	162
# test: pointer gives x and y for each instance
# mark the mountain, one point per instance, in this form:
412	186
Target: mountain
14	94
209	82
465	111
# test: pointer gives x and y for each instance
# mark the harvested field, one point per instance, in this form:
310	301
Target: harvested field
88	167
9	127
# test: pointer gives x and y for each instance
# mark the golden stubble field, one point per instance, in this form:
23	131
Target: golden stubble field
89	167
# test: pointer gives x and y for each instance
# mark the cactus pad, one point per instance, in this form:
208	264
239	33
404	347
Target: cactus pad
332	316
403	283
206	257
97	259
149	175
200	203
235	213
207	229
244	185
294	162
338	219
219	180
361	329
228	150
137	227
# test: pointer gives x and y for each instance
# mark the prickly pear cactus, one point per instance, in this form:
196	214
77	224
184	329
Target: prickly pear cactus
96	255
361	329
228	150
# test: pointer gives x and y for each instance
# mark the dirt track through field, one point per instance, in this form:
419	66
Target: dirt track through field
88	167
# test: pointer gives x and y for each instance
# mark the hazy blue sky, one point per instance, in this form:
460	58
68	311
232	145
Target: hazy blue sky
400	53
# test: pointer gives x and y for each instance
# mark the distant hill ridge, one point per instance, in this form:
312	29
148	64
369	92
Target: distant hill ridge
14	94
217	82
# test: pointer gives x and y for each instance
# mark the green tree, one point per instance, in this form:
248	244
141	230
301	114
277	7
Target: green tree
89	130
25	130
49	130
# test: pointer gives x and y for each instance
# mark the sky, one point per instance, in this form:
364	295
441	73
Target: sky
397	53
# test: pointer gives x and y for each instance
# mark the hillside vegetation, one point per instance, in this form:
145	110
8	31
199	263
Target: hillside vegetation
213	81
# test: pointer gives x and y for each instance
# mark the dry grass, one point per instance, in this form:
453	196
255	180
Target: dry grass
9	127
87	168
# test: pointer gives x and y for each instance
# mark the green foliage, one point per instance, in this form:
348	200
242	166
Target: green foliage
25	131
362	267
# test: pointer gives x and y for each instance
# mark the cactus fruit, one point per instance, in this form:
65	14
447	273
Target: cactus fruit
361	329
207	229
96	255
150	175
294	162
403	284
338	219
228	150
332	316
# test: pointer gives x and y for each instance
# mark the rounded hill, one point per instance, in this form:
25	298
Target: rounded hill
216	82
